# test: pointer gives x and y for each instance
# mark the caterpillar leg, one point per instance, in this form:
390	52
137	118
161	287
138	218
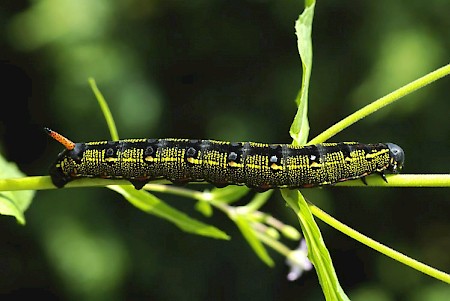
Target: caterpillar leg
383	176
138	184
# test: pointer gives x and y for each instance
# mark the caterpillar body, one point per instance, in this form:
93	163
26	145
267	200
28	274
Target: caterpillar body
256	165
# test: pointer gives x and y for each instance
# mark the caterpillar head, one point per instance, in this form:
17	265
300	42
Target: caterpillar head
397	157
63	169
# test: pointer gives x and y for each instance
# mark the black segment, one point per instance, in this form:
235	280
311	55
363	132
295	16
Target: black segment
111	152
232	156
77	153
275	156
162	143
245	150
235	151
191	152
315	154
149	151
346	150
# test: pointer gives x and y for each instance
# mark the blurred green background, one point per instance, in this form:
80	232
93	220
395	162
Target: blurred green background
222	70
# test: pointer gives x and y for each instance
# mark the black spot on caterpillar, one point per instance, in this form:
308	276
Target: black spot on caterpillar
256	165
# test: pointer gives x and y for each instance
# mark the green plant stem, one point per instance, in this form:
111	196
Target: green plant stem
26	183
402	180
44	182
382	102
185	192
274	244
179	191
378	246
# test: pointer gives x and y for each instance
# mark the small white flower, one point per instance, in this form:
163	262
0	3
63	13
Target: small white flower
298	261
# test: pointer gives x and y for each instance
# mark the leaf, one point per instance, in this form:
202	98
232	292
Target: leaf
259	200
153	205
249	234
14	203
303	27
317	251
105	109
229	194
204	208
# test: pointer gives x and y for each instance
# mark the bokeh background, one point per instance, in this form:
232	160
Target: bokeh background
222	70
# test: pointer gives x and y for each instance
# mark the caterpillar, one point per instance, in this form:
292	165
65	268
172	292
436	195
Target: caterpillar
256	165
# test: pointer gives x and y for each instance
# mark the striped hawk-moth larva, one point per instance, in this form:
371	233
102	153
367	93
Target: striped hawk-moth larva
256	165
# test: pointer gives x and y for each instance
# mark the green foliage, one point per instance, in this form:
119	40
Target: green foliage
14	203
303	28
317	251
249	234
153	205
261	230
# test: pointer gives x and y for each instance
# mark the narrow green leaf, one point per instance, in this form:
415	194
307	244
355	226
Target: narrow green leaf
204	208
249	234
303	27
317	251
105	109
229	194
14	203
259	200
153	205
